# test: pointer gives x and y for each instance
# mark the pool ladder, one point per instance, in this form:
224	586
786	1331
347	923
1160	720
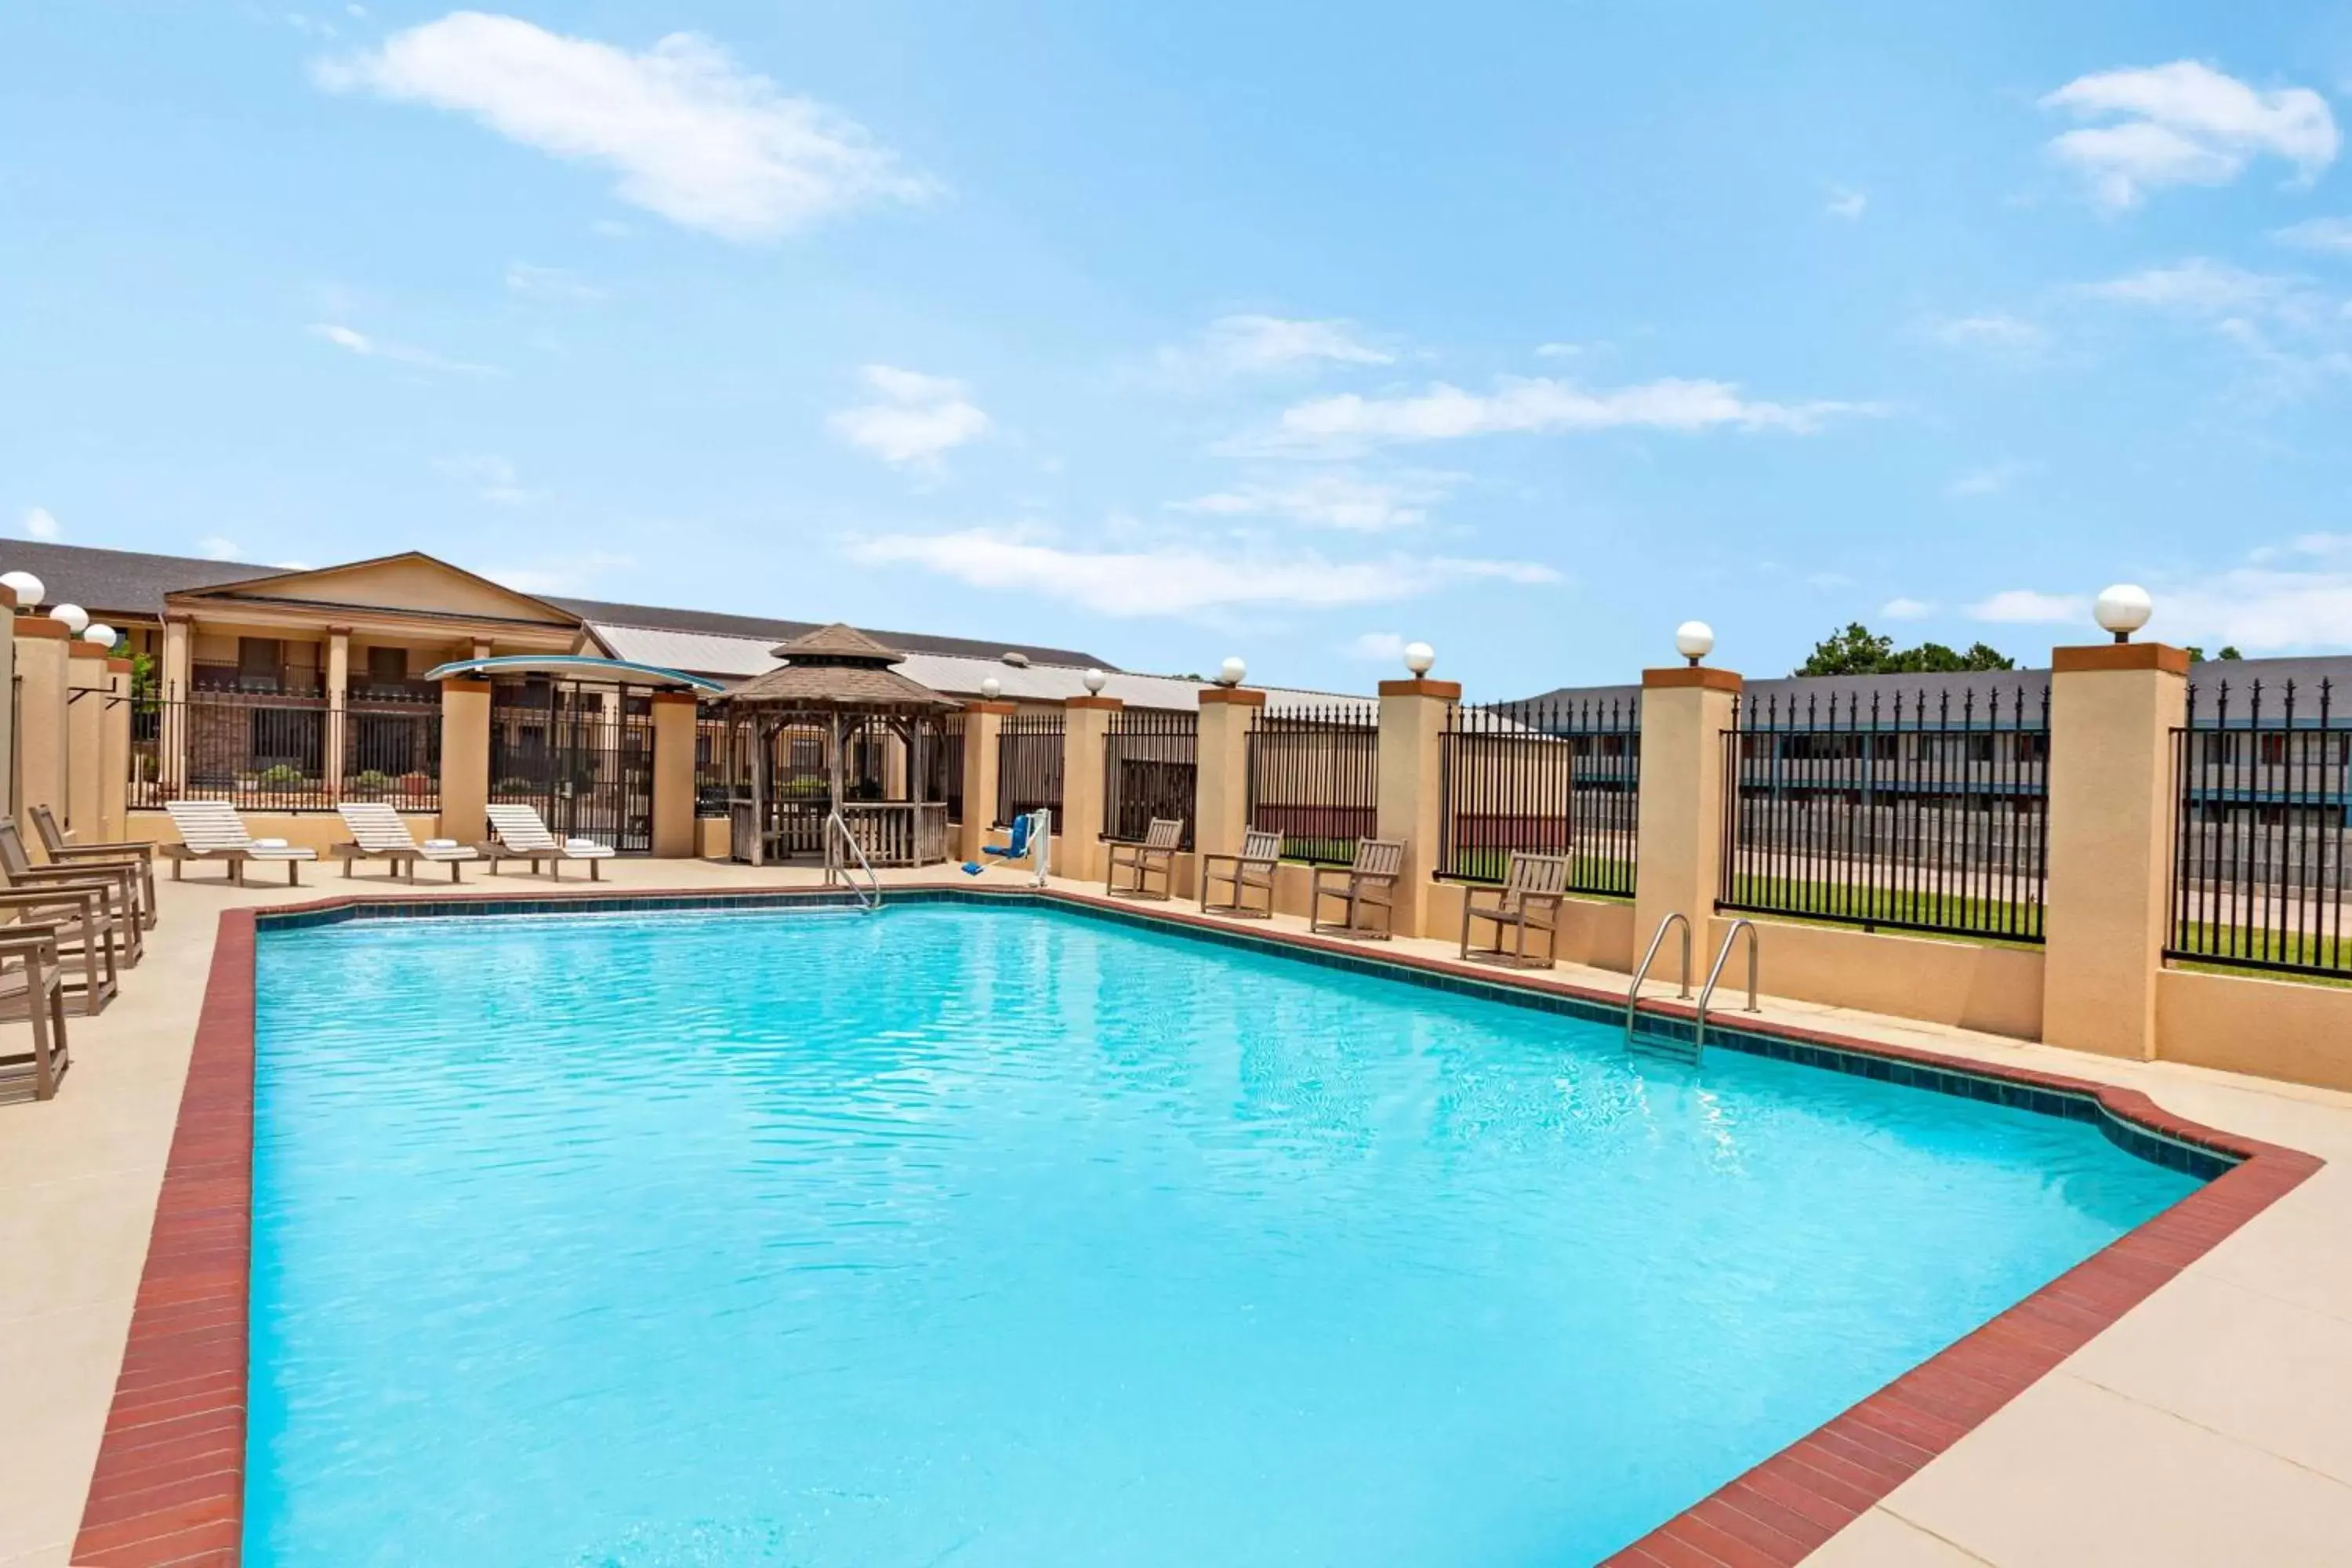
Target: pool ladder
1696	1047
870	891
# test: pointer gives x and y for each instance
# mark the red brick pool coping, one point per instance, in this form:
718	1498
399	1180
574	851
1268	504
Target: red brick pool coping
170	1483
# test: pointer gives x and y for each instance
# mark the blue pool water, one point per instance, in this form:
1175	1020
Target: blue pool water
996	1236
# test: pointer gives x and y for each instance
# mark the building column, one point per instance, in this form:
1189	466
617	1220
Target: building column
1086	721
87	682
9	740
983	723
339	680
1221	773
174	682
2113	709
465	759
41	660
1411	785
675	717
114	756
1686	709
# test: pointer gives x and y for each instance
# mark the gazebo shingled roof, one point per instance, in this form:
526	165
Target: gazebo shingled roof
837	667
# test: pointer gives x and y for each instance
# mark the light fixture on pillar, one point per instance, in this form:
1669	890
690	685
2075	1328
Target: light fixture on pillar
1093	680
99	632
2123	609
1694	640
1417	658
73	617
1230	673
991	688
27	588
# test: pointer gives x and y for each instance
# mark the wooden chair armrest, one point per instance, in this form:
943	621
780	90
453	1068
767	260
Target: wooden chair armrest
127	852
88	895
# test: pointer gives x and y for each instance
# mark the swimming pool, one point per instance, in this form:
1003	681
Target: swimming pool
980	1236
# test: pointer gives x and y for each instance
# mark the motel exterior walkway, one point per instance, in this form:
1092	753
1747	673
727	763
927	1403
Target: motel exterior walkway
2211	1424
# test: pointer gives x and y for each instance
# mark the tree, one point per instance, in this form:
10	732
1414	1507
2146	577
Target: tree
1857	651
2197	655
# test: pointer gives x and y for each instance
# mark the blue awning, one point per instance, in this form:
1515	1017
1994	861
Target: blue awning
573	667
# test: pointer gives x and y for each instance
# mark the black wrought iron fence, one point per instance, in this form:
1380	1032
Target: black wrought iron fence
722	765
944	757
1151	766
1314	778
2262	829
1545	778
1028	767
1925	812
264	752
392	751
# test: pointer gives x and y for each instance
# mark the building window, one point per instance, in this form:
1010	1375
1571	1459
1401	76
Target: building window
387	666
260	663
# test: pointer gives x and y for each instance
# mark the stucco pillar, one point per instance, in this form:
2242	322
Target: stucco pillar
465	759
1411	788
674	731
1221	779
41	660
172	732
1686	711
114	756
338	682
86	687
8	731
2113	709
1086	721
983	724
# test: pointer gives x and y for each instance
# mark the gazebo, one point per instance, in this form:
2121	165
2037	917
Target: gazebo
836	728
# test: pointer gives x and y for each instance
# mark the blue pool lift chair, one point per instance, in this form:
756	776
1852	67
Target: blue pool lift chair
1031	836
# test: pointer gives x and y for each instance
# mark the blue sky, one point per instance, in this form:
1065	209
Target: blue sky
1176	331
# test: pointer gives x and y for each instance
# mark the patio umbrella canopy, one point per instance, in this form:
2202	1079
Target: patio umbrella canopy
837	682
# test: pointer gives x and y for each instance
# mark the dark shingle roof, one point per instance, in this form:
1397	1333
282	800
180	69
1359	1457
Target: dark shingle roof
129	583
784	631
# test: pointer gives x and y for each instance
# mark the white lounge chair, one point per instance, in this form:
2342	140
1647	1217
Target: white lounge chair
518	833
379	833
211	830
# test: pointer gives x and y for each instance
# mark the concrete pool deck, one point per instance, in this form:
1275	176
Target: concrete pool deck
2212	1423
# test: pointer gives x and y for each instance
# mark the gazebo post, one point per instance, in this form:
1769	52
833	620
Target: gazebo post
833	806
760	783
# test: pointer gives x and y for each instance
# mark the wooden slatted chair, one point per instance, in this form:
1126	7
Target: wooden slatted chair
1534	887
61	849
85	938
211	830
114	919
1157	852
518	833
378	833
1369	884
31	988
1255	867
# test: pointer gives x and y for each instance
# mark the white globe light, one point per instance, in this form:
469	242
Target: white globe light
992	687
73	616
1694	640
27	588
2123	609
99	632
1230	673
1093	680
1419	657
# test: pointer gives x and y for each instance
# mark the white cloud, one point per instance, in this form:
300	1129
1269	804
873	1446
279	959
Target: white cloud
366	347
1991	333
1261	345
1328	501
40	523
1377	647
566	573
1179	578
216	547
2026	605
1990	480
917	419
2199	285
1336	425
1845	203
2329	234
492	478
2185	123
689	134
1558	350
1900	609
555	285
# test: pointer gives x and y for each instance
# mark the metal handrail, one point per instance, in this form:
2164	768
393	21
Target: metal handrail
1642	971
869	897
1706	991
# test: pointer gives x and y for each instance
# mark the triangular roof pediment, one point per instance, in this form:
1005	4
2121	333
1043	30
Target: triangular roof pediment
411	581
